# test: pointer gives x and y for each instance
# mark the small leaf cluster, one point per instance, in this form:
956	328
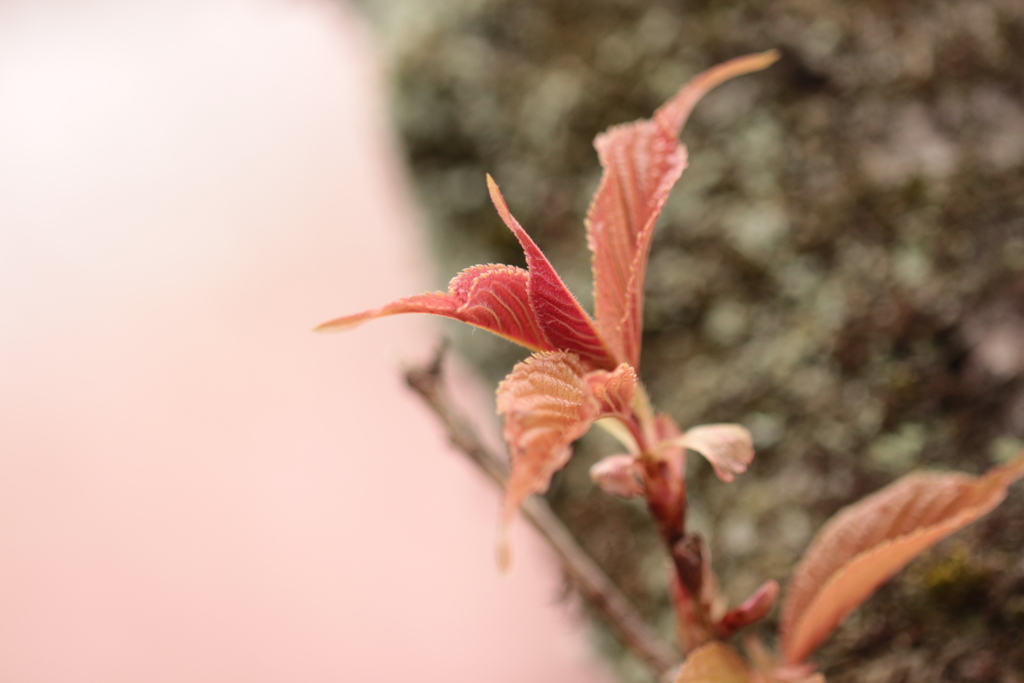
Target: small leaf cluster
584	371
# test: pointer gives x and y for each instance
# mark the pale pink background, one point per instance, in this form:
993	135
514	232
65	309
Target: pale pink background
193	486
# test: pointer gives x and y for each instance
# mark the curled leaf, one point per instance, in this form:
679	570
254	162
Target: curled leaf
562	320
493	297
728	447
618	475
547	405
866	543
674	113
641	161
714	663
614	390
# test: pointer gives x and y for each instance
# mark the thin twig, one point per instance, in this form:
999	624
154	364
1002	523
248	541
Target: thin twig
592	582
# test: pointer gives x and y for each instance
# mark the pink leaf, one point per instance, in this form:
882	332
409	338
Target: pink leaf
495	298
547	405
868	542
619	475
642	161
562	320
674	113
728	447
614	390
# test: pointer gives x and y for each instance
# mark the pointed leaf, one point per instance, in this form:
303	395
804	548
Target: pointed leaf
641	161
728	447
547	405
562	320
714	663
674	113
493	297
868	542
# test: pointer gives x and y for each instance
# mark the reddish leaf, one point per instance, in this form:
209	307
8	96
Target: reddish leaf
495	298
868	542
614	390
641	161
563	321
673	114
619	475
547	405
713	663
728	447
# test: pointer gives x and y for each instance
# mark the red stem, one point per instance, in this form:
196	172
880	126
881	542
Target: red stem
665	490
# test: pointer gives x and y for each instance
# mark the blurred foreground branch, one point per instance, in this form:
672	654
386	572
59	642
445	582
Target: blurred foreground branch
590	580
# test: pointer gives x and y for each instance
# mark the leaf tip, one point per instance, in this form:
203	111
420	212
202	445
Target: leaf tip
341	324
506	216
765	59
504	551
495	192
1012	470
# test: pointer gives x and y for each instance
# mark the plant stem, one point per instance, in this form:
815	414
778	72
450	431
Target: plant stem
591	581
665	491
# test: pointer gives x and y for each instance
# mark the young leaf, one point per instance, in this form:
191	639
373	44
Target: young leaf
641	161
619	475
562	320
614	390
493	297
547	405
713	663
868	542
674	113
728	447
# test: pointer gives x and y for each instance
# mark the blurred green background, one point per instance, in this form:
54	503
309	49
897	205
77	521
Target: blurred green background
841	269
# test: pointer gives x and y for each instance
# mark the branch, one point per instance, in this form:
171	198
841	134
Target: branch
591	581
